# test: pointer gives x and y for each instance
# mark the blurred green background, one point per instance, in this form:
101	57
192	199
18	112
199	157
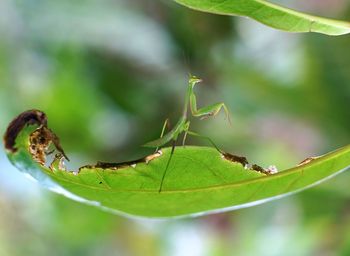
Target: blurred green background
108	73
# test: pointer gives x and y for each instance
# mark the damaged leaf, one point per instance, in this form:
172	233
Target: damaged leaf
200	180
271	14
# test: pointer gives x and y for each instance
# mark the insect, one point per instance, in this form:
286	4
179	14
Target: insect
183	124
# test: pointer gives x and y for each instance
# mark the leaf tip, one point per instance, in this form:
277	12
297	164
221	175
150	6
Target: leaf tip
39	140
28	117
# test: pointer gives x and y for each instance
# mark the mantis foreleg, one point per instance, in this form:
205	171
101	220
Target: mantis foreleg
207	111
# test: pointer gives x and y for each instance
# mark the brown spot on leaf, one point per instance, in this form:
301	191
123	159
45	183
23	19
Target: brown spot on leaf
244	162
155	155
117	166
236	159
40	141
257	168
308	160
113	166
38	149
58	162
268	171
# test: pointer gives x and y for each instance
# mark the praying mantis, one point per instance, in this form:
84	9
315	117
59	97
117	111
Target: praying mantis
183	124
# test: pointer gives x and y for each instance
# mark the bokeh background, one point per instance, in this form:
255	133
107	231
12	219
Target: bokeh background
108	73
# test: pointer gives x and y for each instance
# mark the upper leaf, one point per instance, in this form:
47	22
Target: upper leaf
272	15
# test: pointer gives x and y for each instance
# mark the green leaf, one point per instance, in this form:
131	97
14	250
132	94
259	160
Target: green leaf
271	14
199	180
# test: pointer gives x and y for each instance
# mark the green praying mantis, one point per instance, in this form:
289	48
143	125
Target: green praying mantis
183	124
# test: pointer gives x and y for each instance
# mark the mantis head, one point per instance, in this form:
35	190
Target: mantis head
194	80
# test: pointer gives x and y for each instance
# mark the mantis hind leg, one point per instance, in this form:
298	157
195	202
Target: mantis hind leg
165	125
206	138
186	127
167	166
227	113
187	131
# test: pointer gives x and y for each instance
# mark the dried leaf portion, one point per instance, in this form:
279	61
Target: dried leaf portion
28	117
39	140
234	158
58	163
269	170
121	165
308	160
244	162
39	144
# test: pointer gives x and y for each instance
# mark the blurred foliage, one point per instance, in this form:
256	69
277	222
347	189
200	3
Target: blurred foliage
108	73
